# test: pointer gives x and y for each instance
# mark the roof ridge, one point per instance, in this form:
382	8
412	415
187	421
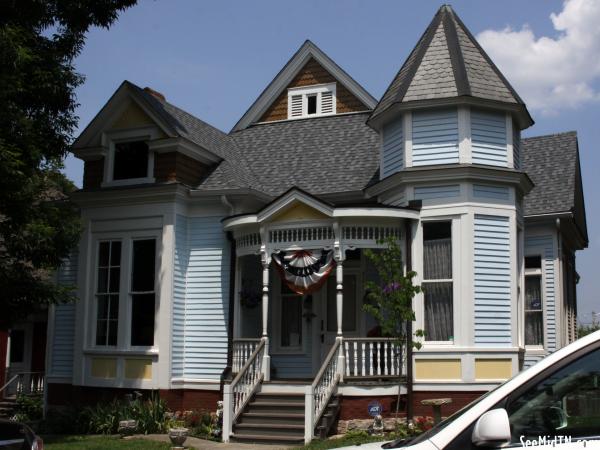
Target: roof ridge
549	135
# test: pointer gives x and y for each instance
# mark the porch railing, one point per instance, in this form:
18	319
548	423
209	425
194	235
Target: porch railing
242	350
237	394
323	387
24	383
372	357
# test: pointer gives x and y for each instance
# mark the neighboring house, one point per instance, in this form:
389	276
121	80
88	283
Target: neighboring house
191	257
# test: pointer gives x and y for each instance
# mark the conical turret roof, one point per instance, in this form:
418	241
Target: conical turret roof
447	63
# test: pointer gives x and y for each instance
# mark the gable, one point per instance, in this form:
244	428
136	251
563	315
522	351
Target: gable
298	211
133	116
311	74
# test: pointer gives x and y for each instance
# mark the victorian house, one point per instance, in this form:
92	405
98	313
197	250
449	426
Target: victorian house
231	266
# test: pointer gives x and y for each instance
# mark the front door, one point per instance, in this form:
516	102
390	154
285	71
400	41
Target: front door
351	322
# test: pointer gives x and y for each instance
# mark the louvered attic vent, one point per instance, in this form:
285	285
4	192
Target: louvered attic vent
309	101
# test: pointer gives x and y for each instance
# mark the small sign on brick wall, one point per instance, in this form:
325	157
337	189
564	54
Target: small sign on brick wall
375	408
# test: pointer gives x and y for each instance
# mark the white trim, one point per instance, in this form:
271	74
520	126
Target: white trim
407	129
509	142
185	147
287	74
195	383
464	135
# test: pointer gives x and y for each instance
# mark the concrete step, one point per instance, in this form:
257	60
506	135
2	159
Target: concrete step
271	429
275	407
266	439
272	418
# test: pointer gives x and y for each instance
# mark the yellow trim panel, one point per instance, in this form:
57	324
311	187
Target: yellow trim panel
139	369
104	368
438	369
493	369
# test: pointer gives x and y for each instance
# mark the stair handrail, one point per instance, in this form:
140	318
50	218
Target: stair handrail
237	394
322	388
11	381
35	385
242	349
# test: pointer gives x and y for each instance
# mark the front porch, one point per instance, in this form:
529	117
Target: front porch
313	343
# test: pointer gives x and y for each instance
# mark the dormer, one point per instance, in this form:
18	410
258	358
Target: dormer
310	85
449	104
140	138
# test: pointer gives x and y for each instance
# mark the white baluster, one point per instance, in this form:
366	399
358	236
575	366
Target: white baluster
385	358
378	358
347	358
363	357
370	358
355	346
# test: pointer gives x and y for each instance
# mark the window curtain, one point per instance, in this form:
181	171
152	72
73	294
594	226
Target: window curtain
437	265
437	259
438	311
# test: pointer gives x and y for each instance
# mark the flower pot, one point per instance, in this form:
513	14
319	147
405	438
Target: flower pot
127	427
178	436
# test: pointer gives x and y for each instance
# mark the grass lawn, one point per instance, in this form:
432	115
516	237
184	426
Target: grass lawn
100	443
341	442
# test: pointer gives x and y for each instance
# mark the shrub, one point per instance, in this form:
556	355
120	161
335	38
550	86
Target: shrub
29	407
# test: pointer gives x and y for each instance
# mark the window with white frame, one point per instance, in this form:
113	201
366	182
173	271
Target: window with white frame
129	159
291	318
125	292
317	100
534	309
108	282
438	281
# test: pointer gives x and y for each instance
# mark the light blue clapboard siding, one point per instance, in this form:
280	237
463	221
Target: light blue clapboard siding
516	148
546	243
492	279
435	137
488	138
493	192
64	323
530	360
393	148
433	192
201	298
180	266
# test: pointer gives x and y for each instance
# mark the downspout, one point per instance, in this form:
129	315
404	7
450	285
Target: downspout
409	332
560	325
226	374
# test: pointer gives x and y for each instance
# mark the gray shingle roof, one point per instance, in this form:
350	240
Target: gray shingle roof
319	155
231	173
552	162
447	62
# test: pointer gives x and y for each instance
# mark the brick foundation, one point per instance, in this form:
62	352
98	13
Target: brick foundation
176	399
355	407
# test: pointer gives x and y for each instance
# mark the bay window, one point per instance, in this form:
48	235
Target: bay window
438	281
125	292
534	311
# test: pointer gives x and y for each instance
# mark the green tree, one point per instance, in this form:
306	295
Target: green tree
389	300
584	330
39	41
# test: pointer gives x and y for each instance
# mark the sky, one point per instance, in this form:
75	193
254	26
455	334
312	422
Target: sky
213	58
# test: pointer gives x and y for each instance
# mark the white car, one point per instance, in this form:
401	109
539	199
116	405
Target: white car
554	404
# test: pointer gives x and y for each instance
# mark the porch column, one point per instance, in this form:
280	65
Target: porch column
266	363
339	298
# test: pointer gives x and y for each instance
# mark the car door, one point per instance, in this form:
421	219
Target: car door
558	409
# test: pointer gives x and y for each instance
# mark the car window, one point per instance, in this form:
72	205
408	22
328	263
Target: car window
566	403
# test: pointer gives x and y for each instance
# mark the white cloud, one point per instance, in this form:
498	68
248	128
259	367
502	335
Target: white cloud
551	73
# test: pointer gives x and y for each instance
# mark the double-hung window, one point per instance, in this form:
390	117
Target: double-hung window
438	281
309	101
125	292
534	310
107	292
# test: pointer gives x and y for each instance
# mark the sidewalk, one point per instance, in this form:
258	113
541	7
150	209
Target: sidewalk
202	444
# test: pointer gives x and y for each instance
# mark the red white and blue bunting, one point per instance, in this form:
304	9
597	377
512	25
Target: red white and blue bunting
304	271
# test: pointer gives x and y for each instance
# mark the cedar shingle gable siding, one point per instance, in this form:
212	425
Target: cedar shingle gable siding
93	171
313	73
175	167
